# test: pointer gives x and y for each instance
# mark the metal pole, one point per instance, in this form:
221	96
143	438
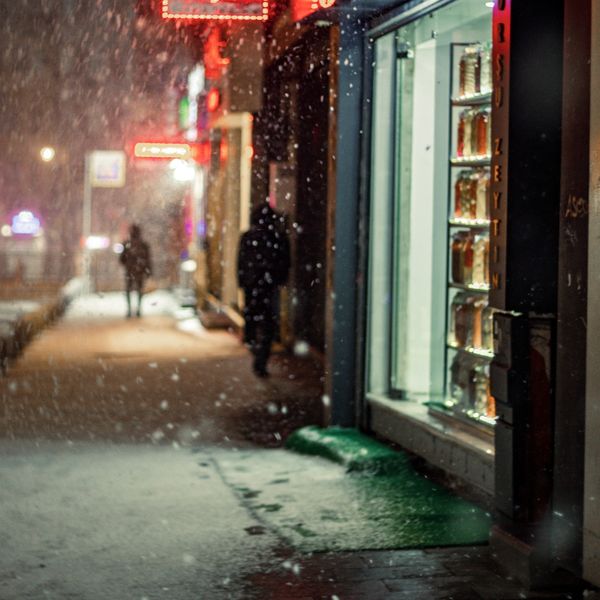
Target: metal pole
87	224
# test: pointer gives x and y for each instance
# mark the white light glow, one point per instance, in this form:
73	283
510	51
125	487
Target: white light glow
184	172
490	4
188	266
47	153
6	231
196	80
117	248
25	223
175	163
97	242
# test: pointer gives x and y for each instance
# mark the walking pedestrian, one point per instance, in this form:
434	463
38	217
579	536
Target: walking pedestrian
263	265
138	266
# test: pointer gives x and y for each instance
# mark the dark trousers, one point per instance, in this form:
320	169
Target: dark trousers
260	322
134	284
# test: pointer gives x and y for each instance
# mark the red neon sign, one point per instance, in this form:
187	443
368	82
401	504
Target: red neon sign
303	8
214	63
221	10
213	99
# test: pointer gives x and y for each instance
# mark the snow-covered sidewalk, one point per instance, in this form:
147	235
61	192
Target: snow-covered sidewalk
91	521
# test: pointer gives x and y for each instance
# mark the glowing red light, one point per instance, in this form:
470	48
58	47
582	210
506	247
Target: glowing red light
223	150
303	8
214	62
201	153
213	99
216	10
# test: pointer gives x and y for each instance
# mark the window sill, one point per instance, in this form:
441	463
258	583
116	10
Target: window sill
467	455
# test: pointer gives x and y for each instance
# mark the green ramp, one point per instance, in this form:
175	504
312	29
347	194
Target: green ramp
369	498
348	447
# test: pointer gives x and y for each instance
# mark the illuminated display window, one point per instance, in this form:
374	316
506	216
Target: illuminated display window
303	8
219	10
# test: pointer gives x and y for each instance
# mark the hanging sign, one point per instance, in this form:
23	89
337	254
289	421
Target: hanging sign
196	151
222	10
107	168
162	150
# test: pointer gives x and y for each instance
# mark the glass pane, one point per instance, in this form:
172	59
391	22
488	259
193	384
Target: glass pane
414	146
382	168
420	201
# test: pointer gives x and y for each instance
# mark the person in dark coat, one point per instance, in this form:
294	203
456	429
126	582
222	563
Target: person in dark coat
263	265
138	266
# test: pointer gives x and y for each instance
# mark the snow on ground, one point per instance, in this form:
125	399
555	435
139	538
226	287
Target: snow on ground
114	305
94	521
11	310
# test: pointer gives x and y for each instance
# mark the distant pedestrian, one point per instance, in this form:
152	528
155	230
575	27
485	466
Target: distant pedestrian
263	265
138	266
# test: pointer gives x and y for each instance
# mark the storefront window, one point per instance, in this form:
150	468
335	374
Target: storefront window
381	229
429	324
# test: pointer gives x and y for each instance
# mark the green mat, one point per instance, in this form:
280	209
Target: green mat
348	447
317	505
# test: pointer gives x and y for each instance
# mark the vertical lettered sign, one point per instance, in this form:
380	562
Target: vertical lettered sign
500	144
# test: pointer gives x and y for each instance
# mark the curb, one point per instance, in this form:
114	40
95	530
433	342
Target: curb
28	325
348	447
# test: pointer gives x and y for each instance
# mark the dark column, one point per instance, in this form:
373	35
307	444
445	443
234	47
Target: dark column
572	288
342	343
524	241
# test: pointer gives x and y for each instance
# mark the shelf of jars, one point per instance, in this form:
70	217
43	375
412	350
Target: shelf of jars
471	161
475	99
482	288
479	352
469	347
468	223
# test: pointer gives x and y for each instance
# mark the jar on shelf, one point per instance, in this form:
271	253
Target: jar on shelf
456	249
487	328
491	404
464	143
464	196
481	132
466	261
474	337
486	262
482	194
459	380
455	388
461	318
479	392
468	71
480	259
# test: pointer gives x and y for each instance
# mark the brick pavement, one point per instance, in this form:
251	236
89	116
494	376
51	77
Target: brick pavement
459	573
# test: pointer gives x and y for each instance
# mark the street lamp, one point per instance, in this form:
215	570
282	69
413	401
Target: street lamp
47	153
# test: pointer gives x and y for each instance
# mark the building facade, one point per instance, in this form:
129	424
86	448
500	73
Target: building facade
472	258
